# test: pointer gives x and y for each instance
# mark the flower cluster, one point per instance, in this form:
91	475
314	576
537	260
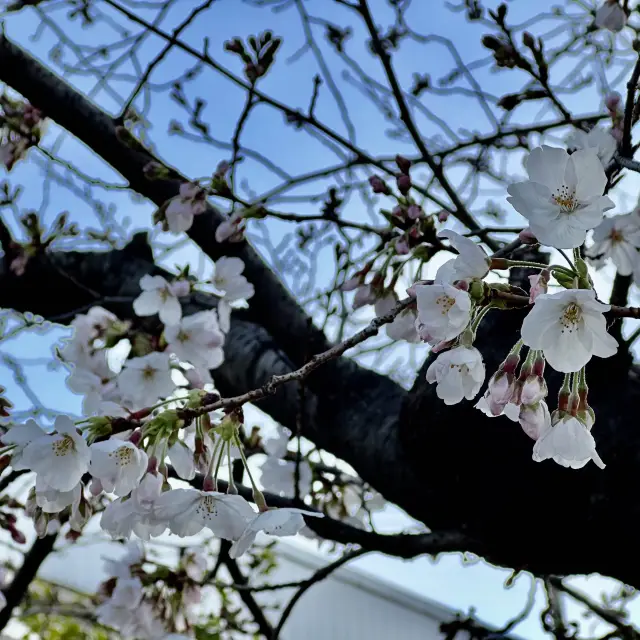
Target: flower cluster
563	200
139	419
133	606
21	128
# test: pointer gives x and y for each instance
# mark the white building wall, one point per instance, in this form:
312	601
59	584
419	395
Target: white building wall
349	604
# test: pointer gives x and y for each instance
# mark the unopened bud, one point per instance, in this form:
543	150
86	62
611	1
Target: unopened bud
533	390
209	484
534	419
17	535
404	164
477	290
443	216
351	284
180	288
528	40
194	378
414	212
612	101
403	181
527	236
378	185
402	245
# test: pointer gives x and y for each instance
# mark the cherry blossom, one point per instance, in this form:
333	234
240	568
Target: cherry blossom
53	501
136	514
444	312
539	283
511	411
277	445
143	380
618	238
119	465
60	460
610	15
182	459
158	297
188	203
188	511
195	564
403	326
231	229
563	198
121	568
569	327
568	442
20	435
197	340
597	140
118	612
459	374
471	261
275	522
278	476
96	390
228	278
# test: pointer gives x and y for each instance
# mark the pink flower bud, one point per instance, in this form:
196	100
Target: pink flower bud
403	181
443	216
209	484
411	291
527	237
500	391
612	101
539	284
535	419
189	190
404	164
364	295
378	185
17	535
222	169
194	378
414	212
533	390
402	245
180	288
351	284
231	229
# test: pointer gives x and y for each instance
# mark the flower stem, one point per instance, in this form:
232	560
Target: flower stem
256	492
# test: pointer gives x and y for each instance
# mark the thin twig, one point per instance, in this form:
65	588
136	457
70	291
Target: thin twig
307	584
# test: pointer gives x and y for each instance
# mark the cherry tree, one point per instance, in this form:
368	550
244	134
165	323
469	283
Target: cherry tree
292	280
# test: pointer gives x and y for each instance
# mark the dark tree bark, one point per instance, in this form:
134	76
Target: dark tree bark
449	467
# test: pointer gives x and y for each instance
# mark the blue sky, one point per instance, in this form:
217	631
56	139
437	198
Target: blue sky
447	579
